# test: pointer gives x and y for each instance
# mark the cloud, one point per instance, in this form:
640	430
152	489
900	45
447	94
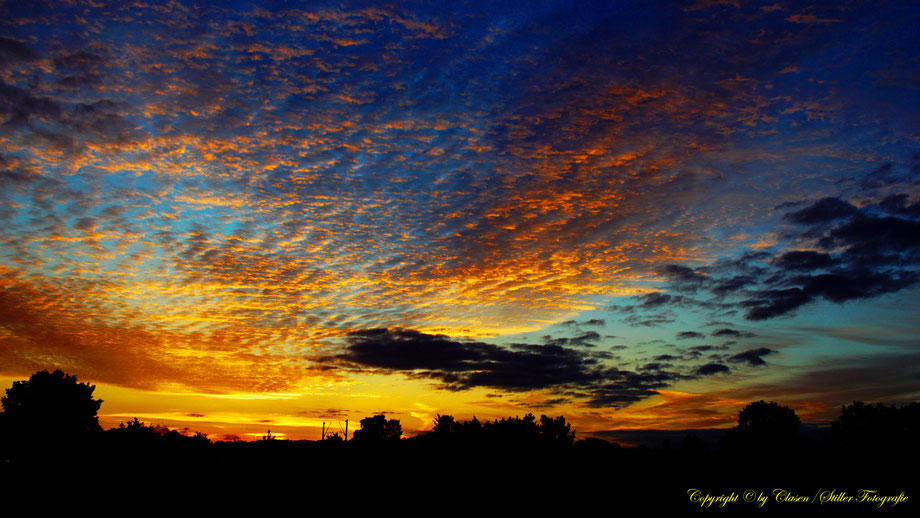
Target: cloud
682	278
520	367
12	50
751	357
462	365
822	211
653	320
711	369
804	260
55	325
586	339
864	253
683	335
725	331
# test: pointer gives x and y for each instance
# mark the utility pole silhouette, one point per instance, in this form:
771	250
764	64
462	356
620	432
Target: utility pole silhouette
346	430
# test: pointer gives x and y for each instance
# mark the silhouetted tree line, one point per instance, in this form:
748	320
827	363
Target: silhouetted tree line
867	427
507	431
53	417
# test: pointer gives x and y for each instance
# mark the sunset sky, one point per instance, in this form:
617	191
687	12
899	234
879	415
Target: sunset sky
234	217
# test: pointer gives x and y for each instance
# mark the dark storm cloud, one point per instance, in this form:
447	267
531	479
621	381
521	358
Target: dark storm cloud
683	335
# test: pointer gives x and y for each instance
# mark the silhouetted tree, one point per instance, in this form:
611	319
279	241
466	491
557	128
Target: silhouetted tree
763	425
50	404
768	419
519	431
378	428
556	431
877	426
445	424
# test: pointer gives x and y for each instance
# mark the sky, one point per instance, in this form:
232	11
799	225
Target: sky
241	216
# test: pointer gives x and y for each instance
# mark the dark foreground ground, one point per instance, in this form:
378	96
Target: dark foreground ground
433	478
